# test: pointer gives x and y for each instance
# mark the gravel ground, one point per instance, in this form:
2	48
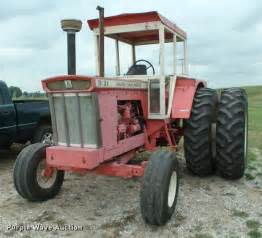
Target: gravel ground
99	206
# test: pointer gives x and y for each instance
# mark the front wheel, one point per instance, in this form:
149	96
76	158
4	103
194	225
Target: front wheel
32	180
159	191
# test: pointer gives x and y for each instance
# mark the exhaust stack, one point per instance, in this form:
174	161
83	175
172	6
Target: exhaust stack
71	26
101	42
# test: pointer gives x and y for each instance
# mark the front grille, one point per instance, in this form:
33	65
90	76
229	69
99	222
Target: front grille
75	119
75	85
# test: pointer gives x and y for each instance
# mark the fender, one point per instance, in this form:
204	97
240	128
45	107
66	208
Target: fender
184	95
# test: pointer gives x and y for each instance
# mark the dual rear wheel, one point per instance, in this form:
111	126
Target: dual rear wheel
216	133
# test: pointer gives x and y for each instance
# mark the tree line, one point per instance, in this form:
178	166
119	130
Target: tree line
16	92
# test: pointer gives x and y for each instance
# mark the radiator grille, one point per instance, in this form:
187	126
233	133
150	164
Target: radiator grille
75	119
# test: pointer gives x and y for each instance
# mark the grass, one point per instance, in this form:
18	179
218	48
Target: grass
237	213
252	224
251	167
202	235
254	94
254	234
198	228
249	176
254	165
251	157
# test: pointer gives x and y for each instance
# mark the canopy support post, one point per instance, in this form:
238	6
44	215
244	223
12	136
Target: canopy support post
117	58
133	54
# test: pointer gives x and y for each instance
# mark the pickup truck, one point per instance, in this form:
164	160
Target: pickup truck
23	120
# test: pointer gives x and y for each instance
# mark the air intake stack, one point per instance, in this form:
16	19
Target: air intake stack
71	26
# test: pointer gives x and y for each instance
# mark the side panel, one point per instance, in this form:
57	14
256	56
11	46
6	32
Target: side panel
183	97
109	114
108	118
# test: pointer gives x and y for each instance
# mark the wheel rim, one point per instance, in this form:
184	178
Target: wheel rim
47	138
42	180
172	189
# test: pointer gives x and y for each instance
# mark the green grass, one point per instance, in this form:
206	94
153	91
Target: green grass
254	234
237	213
251	167
249	176
252	224
251	157
254	165
202	235
254	94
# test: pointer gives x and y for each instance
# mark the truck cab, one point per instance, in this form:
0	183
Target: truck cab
23	120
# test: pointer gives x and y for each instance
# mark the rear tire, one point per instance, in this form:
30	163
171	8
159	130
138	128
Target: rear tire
198	133
232	133
159	191
28	176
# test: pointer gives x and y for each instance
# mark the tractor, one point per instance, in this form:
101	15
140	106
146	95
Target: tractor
101	123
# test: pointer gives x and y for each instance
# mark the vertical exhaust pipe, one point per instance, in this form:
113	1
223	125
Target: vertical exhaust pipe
101	42
71	26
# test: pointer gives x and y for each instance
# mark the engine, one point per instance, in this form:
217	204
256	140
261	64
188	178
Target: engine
130	119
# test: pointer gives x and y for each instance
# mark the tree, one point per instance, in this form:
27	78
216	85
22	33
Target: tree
25	94
15	92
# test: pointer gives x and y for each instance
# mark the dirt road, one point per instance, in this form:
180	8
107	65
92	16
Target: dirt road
97	206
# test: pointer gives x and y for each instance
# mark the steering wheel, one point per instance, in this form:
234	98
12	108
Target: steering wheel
150	65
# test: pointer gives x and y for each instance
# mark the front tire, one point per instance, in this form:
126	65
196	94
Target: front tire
198	147
29	179
159	191
232	131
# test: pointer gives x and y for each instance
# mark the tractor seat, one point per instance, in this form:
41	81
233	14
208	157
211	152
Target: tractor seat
138	69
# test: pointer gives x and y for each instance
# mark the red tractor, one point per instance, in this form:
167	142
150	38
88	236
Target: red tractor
100	123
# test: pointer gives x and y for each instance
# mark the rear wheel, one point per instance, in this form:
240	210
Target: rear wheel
159	191
30	178
232	131
198	147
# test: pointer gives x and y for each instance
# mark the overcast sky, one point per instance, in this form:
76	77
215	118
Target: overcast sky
225	38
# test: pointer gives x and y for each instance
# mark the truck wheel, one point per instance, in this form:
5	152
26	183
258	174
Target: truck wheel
198	133
159	191
232	133
29	179
7	145
43	134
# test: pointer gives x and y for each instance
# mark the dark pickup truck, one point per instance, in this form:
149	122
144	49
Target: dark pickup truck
23	120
